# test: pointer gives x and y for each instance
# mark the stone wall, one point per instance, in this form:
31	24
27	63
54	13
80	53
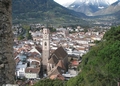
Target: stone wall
7	64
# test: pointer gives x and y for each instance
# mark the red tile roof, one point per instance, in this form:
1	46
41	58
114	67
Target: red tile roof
32	70
59	76
75	63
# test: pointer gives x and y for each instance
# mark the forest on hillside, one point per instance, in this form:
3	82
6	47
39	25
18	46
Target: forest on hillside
100	66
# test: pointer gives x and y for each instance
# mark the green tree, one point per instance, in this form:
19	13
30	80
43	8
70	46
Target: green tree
48	82
20	37
28	34
113	34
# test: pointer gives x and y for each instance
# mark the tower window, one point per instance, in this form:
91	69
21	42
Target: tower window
45	31
45	44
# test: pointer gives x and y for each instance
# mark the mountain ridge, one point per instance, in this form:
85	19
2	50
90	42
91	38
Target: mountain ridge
46	11
51	13
113	8
88	6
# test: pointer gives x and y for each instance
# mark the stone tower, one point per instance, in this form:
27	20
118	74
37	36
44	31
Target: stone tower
45	48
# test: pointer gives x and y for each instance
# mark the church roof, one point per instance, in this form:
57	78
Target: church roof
60	64
60	53
57	55
56	71
53	60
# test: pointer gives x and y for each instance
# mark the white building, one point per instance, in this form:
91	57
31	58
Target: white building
32	73
20	69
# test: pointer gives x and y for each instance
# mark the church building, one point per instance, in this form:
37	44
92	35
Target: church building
57	63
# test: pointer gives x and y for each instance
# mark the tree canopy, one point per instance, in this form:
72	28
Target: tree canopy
48	82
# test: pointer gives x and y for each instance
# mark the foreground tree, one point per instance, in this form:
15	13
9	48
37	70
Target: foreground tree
113	53
49	82
6	44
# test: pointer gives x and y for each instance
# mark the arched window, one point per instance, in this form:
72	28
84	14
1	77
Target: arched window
45	44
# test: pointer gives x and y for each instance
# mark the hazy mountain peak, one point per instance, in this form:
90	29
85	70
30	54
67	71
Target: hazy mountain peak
113	8
88	6
93	1
67	4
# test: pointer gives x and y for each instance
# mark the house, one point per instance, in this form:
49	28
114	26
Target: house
82	41
34	62
33	68
29	61
70	73
37	50
20	57
20	69
32	73
17	60
59	76
74	64
96	38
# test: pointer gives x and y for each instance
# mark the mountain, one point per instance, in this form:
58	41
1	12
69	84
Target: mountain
49	12
112	9
67	4
88	6
43	11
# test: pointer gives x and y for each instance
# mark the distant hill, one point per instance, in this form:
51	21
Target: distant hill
43	11
51	13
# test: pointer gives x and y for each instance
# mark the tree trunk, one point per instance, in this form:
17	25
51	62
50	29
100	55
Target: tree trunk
7	66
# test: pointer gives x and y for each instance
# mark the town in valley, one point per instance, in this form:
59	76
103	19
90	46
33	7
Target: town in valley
52	54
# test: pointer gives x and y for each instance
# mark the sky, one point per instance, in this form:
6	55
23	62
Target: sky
63	1
67	1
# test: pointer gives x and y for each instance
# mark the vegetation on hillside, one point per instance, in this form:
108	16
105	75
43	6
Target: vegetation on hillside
24	33
48	82
100	66
43	11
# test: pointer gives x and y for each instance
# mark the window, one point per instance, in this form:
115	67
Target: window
45	31
45	44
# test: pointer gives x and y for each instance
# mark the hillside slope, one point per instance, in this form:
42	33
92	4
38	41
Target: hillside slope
113	8
100	66
45	11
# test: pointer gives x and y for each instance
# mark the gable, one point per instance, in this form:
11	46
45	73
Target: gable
60	53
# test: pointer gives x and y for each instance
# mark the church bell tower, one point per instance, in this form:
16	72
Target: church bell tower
45	48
